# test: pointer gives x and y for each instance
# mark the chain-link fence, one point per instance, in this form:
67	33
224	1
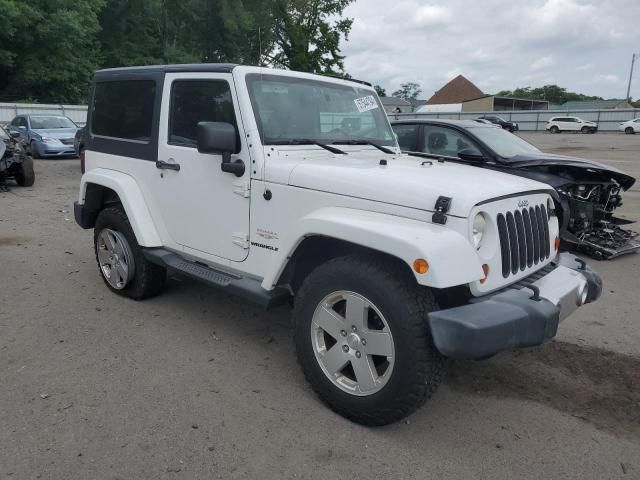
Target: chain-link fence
77	113
536	120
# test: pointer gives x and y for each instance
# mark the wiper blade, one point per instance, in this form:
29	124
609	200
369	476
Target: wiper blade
364	142
307	141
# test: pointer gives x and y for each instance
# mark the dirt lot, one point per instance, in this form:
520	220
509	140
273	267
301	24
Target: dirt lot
195	384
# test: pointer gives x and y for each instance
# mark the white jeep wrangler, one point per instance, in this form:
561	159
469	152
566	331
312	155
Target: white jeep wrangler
275	185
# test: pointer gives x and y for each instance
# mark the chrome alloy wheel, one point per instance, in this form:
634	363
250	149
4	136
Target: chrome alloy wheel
352	343
115	258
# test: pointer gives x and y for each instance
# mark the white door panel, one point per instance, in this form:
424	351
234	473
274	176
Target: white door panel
199	202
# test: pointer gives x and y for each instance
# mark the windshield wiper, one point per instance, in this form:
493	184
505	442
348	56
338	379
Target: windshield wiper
364	142
307	141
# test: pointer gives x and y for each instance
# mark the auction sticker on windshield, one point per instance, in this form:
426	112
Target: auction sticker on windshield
364	104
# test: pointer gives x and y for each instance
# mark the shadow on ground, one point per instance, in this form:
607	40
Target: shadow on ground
599	386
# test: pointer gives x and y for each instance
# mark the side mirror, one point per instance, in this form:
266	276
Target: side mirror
471	155
221	138
217	137
23	128
14	134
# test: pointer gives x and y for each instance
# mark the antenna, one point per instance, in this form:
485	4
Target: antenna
260	46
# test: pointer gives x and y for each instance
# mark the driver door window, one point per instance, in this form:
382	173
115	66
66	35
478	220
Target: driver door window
194	101
446	142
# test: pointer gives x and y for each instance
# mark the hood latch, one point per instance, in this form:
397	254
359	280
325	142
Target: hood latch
443	204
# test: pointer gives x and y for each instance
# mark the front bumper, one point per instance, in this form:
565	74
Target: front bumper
516	317
54	149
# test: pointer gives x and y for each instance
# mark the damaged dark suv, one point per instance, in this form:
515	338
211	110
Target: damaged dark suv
588	192
14	161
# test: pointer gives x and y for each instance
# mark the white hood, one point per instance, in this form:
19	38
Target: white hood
407	181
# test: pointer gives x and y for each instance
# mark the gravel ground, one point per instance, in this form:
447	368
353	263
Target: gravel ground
195	384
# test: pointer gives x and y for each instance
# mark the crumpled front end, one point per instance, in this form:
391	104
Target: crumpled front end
592	226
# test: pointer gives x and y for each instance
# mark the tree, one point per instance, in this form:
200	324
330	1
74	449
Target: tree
380	91
307	35
408	91
551	93
51	50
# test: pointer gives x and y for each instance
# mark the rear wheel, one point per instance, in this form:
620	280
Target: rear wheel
26	176
554	129
629	131
120	259
362	339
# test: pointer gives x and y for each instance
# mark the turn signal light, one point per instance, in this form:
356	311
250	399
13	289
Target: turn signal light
420	266
557	243
485	269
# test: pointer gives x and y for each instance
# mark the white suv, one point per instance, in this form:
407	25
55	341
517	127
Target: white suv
570	124
277	186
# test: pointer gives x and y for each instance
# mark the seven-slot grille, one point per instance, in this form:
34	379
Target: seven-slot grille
524	238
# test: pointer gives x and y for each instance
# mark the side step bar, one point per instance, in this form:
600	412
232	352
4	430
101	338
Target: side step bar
247	288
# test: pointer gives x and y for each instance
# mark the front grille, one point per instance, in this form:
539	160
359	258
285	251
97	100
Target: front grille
524	239
67	141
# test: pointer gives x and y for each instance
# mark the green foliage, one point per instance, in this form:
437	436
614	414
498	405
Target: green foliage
408	91
552	93
50	48
380	91
307	35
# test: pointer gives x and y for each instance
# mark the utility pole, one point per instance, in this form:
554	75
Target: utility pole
633	60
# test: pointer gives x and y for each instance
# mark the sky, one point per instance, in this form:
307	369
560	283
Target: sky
582	45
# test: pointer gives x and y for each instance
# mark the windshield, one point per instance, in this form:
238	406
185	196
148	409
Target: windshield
47	123
289	109
505	144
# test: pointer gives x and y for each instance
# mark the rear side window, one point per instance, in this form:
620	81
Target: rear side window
124	110
194	101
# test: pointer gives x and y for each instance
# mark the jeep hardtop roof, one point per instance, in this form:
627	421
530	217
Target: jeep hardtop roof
189	67
162	69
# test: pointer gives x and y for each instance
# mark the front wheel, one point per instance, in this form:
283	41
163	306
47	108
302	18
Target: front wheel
32	150
26	176
585	129
629	131
554	129
120	259
362	339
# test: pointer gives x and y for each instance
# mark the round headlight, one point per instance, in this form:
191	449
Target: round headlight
479	226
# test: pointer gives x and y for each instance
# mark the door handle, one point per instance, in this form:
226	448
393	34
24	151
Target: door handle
167	166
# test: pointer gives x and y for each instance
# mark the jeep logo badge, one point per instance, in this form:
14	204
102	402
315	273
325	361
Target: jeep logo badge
523	203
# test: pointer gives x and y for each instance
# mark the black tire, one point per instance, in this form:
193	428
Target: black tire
585	129
629	131
149	279
418	367
554	129
32	151
26	176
